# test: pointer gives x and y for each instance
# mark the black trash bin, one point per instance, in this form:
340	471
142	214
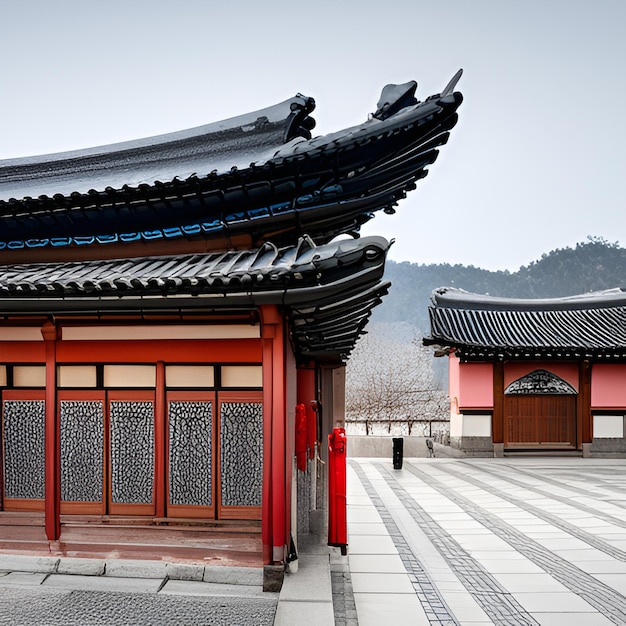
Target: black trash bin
398	451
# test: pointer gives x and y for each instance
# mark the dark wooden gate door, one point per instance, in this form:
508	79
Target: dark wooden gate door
540	420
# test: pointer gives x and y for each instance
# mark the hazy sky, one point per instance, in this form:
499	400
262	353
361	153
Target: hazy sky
537	161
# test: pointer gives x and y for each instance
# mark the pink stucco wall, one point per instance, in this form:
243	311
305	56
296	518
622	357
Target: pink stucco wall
567	371
474	385
608	385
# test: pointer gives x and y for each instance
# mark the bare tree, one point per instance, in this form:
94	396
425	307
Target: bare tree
389	379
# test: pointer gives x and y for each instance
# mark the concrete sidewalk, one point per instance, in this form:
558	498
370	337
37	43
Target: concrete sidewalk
65	591
306	598
151	576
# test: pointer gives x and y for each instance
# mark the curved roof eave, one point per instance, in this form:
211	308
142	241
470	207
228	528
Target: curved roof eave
223	181
328	292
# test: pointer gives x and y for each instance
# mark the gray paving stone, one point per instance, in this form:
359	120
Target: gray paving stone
311	583
19	563
304	614
129	568
23	578
234	575
83	567
184	571
195	588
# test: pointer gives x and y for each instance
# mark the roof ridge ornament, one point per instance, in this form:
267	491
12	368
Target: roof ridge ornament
449	88
394	98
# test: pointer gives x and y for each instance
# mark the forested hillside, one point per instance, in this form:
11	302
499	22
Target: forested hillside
591	266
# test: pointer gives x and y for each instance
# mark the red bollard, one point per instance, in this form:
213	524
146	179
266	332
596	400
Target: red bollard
337	511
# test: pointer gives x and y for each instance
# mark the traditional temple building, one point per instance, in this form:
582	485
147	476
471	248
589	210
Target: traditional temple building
534	375
168	306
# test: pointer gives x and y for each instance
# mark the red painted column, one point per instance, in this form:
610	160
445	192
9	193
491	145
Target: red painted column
53	447
159	441
274	505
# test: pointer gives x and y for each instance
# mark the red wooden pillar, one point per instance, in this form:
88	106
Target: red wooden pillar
583	417
497	426
53	446
159	441
274	523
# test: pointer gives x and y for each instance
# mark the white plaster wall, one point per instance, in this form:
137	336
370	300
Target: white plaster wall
456	424
608	426
476	425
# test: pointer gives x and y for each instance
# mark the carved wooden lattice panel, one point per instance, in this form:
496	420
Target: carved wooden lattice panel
24	448
82	450
132	452
241	439
190	453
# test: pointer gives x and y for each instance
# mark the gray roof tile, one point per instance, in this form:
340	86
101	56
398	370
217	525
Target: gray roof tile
487	327
328	291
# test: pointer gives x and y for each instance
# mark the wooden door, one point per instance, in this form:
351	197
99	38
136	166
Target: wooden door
540	420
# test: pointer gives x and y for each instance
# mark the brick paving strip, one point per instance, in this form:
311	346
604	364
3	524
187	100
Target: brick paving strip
569	528
489	594
344	608
600	596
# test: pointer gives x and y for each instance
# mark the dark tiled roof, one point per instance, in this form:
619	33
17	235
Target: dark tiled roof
484	327
259	175
328	291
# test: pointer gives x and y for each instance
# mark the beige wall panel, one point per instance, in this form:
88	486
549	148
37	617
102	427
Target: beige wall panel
190	331
77	376
29	376
242	376
189	376
129	376
21	333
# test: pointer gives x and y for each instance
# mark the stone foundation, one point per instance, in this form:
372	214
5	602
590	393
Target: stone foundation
474	446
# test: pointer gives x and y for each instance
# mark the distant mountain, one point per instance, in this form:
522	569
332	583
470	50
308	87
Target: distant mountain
591	266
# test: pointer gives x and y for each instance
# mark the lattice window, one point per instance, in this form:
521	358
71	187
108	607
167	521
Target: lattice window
132	452
82	450
190	455
241	431
24	448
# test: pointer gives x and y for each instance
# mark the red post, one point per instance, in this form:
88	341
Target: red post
337	501
159	440
53	447
276	449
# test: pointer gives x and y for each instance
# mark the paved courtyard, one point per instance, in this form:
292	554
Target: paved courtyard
529	540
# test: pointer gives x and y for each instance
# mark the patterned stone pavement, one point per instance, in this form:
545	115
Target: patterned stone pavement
526	540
